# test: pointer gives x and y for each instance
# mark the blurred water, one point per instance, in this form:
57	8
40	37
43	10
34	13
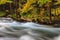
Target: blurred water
13	30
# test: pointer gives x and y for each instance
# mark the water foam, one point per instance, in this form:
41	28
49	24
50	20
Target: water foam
57	38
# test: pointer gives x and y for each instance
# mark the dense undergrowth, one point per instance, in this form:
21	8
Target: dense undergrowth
39	11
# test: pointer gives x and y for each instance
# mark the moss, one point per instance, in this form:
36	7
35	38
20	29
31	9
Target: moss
2	13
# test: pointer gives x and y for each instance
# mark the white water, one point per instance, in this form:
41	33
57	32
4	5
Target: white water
57	38
26	37
27	31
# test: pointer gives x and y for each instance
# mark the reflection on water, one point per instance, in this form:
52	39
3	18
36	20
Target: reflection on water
27	31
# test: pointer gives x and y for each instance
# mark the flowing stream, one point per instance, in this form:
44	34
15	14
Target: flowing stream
13	30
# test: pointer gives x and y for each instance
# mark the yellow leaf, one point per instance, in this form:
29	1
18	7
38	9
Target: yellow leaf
3	1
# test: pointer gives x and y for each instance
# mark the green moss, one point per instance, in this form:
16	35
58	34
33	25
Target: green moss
2	13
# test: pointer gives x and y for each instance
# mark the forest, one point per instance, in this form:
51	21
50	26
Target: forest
38	11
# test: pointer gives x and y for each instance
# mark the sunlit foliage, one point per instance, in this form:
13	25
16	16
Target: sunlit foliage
42	10
4	1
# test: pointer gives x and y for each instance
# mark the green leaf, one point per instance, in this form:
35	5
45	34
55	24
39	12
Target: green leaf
4	1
